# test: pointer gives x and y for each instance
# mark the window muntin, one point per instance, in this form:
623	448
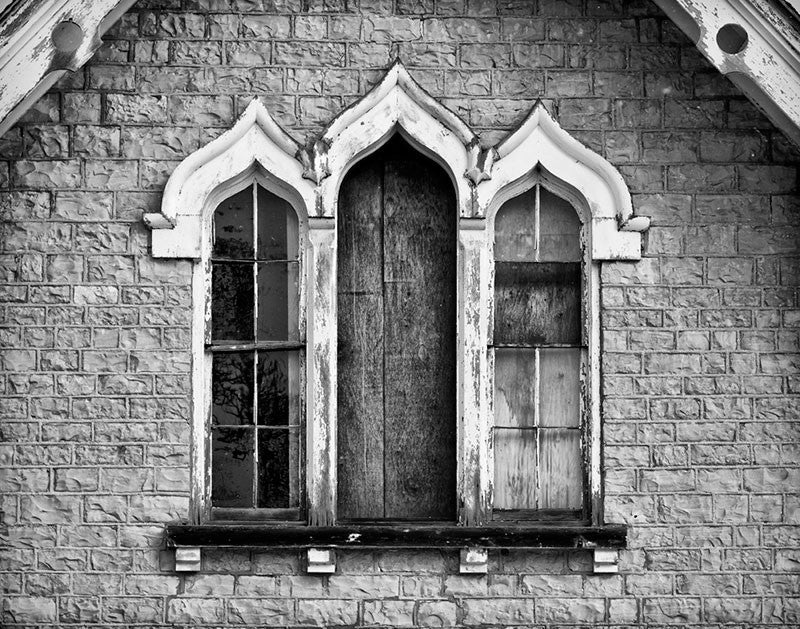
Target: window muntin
540	351
253	339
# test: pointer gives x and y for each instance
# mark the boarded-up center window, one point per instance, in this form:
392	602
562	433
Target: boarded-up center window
254	341
396	339
540	354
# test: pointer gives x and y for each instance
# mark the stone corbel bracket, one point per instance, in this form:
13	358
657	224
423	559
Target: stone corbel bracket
254	146
763	57
41	40
540	145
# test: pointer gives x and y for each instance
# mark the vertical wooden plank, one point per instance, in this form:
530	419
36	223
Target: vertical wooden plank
419	339
515	229
537	303
560	387
561	469
360	344
514	468
559	227
514	387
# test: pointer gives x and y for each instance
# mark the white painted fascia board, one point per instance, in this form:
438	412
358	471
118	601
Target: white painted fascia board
29	61
767	70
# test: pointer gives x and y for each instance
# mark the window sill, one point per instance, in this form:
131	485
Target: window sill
396	536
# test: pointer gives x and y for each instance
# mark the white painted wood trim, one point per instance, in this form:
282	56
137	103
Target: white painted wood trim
474	484
541	148
30	63
321	398
396	103
254	145
257	149
767	70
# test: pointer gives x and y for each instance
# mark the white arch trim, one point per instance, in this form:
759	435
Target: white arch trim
254	144
397	102
540	143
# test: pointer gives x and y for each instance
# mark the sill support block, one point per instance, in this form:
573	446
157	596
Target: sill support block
474	560
321	561
606	561
188	559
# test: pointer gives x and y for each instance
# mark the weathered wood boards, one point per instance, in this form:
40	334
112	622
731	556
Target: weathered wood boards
396	301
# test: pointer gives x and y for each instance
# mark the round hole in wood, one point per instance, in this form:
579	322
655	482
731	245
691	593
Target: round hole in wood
67	36
732	38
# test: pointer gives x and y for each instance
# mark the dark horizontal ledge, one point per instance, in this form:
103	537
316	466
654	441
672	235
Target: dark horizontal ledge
396	536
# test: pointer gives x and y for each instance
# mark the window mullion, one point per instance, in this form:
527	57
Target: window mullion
255	352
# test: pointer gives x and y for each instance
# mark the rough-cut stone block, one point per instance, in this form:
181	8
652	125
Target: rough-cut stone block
437	614
326	612
260	611
498	611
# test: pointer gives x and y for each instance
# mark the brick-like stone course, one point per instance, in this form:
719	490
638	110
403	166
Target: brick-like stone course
700	340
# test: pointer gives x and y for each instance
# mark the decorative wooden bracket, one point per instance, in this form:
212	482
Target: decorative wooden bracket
474	560
606	561
321	561
188	559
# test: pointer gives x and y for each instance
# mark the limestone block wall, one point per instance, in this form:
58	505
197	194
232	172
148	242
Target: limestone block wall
700	338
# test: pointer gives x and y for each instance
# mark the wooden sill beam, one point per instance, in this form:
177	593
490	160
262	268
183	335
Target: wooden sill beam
395	536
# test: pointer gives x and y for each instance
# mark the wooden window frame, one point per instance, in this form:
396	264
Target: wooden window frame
203	361
309	178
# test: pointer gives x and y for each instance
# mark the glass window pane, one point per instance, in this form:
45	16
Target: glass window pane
514	468
278	299
559	227
233	226
560	387
232	467
537	303
277	228
514	387
232	386
515	229
274	487
561	477
279	388
232	302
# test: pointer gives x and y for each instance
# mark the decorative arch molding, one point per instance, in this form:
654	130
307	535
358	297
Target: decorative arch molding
540	149
310	178
256	148
397	102
255	144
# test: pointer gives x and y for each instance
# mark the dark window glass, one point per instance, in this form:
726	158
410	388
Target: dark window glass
232	302
232	452
255	406
232	387
278	296
233	226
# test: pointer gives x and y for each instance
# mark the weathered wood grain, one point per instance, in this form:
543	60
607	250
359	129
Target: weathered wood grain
515	387
560	469
559	229
419	339
537	303
560	387
515	468
360	344
397	351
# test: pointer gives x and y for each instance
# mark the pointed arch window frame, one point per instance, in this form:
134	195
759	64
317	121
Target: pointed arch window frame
256	147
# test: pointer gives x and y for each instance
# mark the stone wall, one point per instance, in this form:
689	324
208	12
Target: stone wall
700	338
